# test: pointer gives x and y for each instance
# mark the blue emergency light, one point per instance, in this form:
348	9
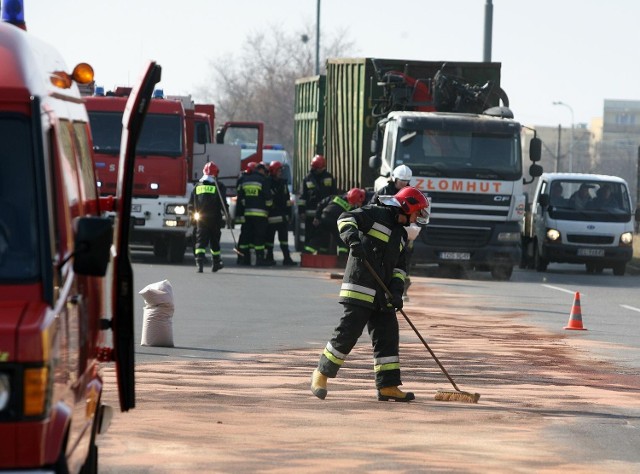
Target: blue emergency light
158	94
13	12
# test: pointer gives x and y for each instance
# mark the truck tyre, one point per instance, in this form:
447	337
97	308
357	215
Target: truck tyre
619	269
502	272
160	248
177	247
540	263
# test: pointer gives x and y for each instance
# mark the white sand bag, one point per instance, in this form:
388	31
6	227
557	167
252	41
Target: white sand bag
157	327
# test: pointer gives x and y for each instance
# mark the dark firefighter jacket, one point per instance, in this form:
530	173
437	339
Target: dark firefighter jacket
330	208
206	199
281	209
315	187
254	195
388	190
384	241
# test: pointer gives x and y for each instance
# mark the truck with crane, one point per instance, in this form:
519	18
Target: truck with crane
450	123
61	259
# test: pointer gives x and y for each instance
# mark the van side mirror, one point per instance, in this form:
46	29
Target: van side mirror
535	149
220	135
375	162
638	214
92	249
201	135
543	200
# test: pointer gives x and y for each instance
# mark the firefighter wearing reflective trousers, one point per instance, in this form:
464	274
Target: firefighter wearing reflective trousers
205	204
254	196
316	186
279	215
377	234
326	218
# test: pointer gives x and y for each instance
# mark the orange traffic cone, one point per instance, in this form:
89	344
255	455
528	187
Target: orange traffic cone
575	318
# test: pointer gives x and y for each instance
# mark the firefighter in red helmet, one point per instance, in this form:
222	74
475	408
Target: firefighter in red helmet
279	215
205	204
316	186
376	234
326	238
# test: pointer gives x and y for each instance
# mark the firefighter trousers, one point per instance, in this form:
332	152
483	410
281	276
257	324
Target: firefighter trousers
207	235
384	332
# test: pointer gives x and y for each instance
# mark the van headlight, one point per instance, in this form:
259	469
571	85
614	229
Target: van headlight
177	209
553	235
509	237
626	238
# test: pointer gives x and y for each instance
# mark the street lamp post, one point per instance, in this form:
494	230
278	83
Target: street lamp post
572	123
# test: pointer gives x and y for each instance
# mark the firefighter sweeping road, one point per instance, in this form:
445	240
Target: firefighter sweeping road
233	394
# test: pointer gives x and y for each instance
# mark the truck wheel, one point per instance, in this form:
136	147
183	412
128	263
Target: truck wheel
539	262
160	248
619	269
502	272
177	247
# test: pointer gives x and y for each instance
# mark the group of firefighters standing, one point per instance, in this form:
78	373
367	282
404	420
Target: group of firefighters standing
375	238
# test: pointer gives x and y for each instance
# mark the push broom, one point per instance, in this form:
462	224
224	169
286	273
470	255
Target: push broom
456	395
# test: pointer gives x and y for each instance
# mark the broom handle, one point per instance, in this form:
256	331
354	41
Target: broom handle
388	293
226	216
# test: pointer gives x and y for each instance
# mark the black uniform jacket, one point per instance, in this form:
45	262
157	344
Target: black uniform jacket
384	240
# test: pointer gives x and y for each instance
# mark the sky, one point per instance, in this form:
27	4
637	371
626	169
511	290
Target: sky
578	52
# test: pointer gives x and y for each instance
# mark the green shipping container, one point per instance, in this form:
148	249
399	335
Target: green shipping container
335	118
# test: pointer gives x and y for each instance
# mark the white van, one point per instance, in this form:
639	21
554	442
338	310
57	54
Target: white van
579	218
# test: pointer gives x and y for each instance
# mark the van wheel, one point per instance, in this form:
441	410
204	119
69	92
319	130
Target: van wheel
502	272
539	262
619	269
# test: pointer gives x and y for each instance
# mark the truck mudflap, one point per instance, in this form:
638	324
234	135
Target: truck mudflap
122	302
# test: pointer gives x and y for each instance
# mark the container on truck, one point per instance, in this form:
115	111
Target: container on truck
55	252
450	123
580	218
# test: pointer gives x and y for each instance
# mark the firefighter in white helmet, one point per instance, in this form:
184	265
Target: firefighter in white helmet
400	177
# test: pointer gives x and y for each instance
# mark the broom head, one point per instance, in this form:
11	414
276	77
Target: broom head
457	396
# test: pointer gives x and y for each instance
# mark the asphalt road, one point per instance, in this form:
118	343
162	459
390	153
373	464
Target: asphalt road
233	395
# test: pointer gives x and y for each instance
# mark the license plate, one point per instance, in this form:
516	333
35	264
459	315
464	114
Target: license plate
455	255
591	252
136	207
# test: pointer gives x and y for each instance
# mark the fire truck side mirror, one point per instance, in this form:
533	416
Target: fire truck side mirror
94	236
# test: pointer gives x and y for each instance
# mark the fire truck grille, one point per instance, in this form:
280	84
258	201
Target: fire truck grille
590	239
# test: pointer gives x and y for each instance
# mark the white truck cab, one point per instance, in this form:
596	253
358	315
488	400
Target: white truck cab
580	218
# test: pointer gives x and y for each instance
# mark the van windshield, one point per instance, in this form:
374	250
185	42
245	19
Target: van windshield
588	200
19	253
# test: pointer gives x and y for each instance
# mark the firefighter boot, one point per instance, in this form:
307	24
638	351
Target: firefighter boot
199	264
270	260
319	384
260	260
217	265
287	262
395	394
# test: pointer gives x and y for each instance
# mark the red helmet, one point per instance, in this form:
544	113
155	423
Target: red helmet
210	169
251	166
355	196
318	162
412	200
274	166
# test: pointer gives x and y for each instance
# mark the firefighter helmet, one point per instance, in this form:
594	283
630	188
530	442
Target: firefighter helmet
251	166
274	167
412	200
355	196
210	169
318	162
402	173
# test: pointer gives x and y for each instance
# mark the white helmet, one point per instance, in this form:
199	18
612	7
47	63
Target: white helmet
402	173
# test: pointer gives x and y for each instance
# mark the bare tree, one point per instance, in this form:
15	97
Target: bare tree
259	84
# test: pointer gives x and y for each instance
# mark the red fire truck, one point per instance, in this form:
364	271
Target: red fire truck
174	145
55	251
